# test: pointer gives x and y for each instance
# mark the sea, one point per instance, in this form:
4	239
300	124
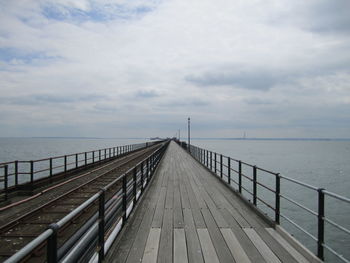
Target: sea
317	162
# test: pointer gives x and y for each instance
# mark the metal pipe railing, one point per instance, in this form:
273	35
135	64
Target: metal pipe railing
84	247
254	181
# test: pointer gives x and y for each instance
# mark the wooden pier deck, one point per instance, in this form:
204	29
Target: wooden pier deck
189	215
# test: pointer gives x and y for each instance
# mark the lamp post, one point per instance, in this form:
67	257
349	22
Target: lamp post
189	134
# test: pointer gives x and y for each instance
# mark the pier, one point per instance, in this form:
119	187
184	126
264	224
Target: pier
155	202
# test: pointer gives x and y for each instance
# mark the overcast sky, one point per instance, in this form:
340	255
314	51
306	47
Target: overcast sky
115	68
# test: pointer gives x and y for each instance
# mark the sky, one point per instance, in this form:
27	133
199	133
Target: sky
140	68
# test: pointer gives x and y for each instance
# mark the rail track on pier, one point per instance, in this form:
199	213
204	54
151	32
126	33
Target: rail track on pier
20	231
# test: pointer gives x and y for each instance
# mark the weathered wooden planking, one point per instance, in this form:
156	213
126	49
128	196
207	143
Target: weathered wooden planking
180	248
166	238
208	249
151	249
193	245
178	217
236	249
261	246
245	242
221	248
158	215
297	256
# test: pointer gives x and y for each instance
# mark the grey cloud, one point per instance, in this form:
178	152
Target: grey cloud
146	94
41	99
253	80
184	103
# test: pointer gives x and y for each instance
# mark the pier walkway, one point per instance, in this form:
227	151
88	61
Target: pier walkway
189	215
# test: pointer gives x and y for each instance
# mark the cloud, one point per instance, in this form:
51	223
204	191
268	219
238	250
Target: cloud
89	65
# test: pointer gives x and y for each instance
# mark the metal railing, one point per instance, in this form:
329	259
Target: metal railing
19	175
91	242
248	180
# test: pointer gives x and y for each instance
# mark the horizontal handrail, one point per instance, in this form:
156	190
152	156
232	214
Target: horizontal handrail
215	162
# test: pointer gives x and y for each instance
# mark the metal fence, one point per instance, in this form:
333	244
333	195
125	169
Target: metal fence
91	242
263	189
19	175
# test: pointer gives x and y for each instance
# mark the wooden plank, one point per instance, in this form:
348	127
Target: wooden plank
136	251
261	246
178	217
166	238
295	254
158	215
169	200
235	247
151	249
221	248
208	249
180	249
185	202
245	242
193	245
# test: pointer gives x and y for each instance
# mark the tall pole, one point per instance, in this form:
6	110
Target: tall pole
189	133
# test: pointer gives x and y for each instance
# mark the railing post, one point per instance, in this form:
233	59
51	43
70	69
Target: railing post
240	176
229	170
211	161
124	199
277	199
320	239
135	184
101	226
99	155
32	173
51	172
93	156
16	173
85	156
254	185
113	151
142	177
65	163
76	160
52	244
207	158
215	163
105	156
6	172
221	166
148	172
109	154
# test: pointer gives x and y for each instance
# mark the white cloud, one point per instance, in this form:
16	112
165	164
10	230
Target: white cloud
224	45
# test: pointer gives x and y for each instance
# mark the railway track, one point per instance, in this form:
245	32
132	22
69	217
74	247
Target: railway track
19	232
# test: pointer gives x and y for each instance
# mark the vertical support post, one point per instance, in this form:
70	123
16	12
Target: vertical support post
277	199
99	155
229	170
142	177
215	163
254	185
109	154
320	234
51	255
51	171
105	157
32	173
124	198
221	166
207	158
135	184
6	172
85	156
240	176
113	151
101	226
65	163
76	160
211	160
93	156
16	173
148	173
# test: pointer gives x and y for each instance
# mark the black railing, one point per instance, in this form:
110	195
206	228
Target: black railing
249	180
19	175
92	241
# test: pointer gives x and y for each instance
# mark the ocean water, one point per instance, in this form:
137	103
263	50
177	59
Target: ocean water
320	163
324	164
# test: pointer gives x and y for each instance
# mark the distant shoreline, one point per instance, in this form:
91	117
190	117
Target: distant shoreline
185	138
